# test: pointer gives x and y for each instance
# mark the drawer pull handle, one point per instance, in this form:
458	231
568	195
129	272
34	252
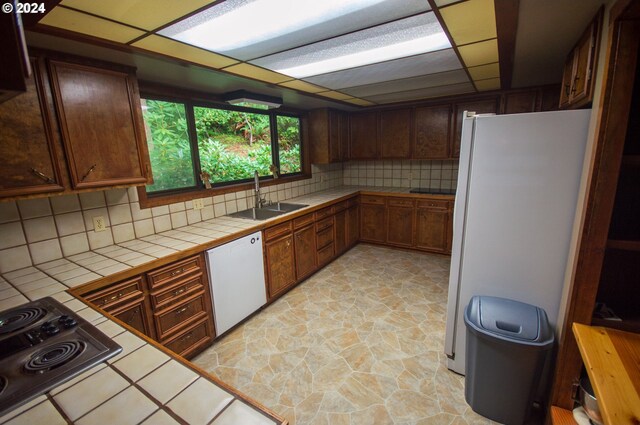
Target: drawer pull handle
176	272
115	297
134	313
179	291
182	310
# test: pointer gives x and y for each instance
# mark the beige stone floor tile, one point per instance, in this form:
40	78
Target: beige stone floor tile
359	342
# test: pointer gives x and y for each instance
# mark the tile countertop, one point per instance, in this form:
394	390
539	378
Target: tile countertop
142	384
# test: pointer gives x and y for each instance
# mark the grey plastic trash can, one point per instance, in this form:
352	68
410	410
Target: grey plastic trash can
507	345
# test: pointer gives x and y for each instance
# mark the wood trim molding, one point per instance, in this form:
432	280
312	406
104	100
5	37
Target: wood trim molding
620	71
507	27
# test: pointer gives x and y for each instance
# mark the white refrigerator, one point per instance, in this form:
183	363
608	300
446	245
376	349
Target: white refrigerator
515	204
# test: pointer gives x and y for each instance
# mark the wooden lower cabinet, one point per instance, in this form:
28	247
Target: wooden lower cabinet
373	219
281	272
400	226
304	242
171	304
340	232
433	222
353	225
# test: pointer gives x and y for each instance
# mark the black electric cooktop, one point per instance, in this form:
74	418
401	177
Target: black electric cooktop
43	344
433	191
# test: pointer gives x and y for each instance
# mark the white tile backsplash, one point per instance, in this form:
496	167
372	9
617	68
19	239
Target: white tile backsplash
39	230
433	174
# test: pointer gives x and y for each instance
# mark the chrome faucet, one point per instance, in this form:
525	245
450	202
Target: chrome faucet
259	201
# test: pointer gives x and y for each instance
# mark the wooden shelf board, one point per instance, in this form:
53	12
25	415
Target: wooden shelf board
629	324
561	416
612	360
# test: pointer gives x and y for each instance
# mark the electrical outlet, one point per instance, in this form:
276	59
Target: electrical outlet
99	224
198	204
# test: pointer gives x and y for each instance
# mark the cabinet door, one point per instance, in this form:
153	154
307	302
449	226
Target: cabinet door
335	135
372	223
432	132
363	135
432	223
583	62
305	251
353	225
340	226
484	106
135	314
520	102
344	136
567	80
101	124
400	228
26	143
395	134
281	271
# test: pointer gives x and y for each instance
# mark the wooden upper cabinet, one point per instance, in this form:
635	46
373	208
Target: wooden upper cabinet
29	164
577	78
395	134
520	102
101	125
481	106
432	132
328	136
363	135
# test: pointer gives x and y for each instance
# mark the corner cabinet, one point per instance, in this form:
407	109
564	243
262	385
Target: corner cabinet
328	136
101	124
579	69
363	135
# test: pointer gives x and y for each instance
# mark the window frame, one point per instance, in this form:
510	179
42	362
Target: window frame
169	196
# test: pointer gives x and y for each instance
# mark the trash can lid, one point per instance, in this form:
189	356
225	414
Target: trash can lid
508	319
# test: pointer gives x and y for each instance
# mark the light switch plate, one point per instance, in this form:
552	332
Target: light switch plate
99	224
198	204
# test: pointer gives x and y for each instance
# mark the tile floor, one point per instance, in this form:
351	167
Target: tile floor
360	342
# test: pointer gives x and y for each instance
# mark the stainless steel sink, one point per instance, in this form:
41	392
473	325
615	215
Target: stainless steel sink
257	213
284	207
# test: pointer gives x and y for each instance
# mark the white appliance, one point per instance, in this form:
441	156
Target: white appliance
236	276
516	197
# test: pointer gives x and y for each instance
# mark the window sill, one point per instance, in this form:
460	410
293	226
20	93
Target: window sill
147	201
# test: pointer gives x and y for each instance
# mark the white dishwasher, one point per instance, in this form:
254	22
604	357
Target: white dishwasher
236	276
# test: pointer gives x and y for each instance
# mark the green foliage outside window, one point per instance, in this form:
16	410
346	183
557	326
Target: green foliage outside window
231	144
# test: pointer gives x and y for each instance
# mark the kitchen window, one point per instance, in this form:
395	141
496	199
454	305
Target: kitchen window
193	146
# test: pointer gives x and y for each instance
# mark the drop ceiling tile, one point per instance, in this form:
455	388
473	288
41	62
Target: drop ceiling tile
488	84
247	70
482	72
410	36
302	85
277	26
90	25
431	80
146	14
422	93
440	61
479	53
335	95
471	21
360	102
183	51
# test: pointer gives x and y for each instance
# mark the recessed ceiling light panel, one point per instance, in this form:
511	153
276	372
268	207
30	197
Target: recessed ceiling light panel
406	37
247	29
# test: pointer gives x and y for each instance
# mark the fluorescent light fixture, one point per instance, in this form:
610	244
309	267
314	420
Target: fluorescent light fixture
233	24
403	38
252	100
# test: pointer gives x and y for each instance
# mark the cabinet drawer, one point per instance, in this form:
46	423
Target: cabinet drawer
324	237
323	224
276	231
433	203
325	212
115	295
191	339
325	254
368	199
177	292
170	320
173	272
302	221
400	202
